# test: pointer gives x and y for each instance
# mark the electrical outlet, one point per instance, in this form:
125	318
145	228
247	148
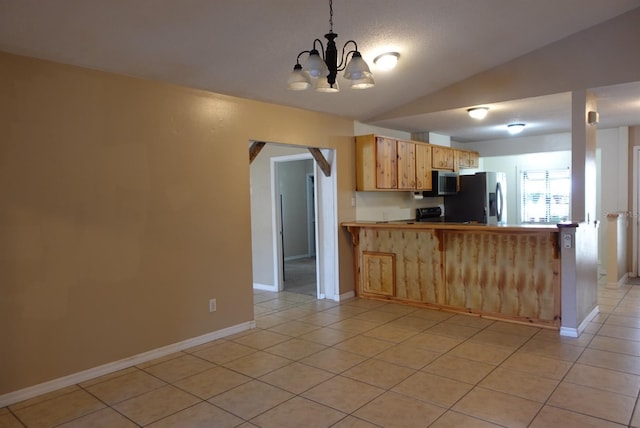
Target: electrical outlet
212	305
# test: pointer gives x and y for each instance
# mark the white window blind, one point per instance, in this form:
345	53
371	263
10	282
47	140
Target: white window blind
545	195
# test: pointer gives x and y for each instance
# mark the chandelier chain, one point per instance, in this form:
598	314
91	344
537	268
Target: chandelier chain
331	16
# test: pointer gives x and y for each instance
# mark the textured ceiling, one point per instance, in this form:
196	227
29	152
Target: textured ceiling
246	48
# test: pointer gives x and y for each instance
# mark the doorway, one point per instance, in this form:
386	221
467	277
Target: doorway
267	251
295	189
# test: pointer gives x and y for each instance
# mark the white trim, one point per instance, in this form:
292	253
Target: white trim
518	194
345	296
275	228
635	213
327	230
312	212
575	332
264	287
75	378
569	332
615	285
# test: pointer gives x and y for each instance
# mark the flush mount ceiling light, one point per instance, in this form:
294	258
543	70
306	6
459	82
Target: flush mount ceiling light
386	61
515	128
478	112
323	70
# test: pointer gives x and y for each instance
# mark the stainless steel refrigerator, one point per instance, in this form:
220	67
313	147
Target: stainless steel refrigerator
481	199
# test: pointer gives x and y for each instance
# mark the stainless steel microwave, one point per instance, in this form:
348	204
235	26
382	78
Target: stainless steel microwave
443	183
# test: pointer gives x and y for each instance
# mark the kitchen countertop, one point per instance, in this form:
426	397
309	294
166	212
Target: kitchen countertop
412	224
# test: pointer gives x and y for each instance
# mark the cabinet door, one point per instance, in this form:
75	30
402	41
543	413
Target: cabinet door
386	163
463	158
474	159
442	158
423	167
406	165
378	273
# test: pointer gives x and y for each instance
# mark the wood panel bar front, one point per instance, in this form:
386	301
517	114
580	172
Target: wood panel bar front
509	273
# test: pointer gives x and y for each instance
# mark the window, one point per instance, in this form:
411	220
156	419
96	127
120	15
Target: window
545	195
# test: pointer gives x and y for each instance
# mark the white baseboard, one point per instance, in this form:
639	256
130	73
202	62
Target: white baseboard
621	282
264	287
345	296
72	379
575	332
624	279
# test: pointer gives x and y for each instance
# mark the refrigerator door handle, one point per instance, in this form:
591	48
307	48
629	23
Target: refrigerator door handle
499	202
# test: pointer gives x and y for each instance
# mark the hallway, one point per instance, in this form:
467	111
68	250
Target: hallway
300	276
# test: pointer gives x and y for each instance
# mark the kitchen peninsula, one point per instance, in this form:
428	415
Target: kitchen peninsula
502	272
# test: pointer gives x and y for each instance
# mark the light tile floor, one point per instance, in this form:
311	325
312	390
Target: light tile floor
363	363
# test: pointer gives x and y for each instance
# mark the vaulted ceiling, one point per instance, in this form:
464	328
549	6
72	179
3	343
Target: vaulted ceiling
247	48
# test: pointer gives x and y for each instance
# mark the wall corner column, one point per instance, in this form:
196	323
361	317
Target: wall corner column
579	276
583	158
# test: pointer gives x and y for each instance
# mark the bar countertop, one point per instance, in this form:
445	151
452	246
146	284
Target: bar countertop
412	224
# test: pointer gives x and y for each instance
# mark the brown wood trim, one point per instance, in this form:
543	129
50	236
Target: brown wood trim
355	235
322	162
254	150
548	324
475	227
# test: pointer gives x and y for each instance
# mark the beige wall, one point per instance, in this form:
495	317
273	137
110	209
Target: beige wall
125	207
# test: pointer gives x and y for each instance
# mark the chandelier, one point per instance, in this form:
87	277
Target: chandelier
323	70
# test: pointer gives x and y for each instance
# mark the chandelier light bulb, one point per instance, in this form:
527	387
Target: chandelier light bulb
357	68
364	83
298	80
323	85
315	66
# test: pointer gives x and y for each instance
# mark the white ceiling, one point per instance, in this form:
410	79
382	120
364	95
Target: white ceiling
246	48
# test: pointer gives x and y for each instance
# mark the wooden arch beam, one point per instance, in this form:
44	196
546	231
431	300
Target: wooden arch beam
254	150
324	165
322	162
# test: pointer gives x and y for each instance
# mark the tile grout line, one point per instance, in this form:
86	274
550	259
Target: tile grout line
306	306
573	364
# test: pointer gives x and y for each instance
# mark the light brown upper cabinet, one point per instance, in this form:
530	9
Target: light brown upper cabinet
384	163
467	159
474	159
385	151
376	163
423	167
406	165
442	157
390	164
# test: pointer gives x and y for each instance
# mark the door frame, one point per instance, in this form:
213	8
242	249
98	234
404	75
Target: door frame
635	259
326	227
310	184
